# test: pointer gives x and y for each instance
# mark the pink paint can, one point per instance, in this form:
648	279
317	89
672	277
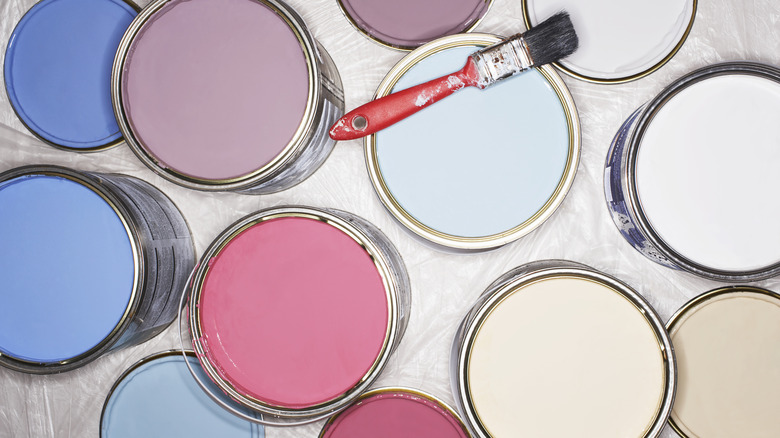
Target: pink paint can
294	311
234	95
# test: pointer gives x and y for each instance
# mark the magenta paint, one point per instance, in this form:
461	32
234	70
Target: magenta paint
293	312
392	413
215	90
407	24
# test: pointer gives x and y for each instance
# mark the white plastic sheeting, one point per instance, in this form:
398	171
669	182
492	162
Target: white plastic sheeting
444	285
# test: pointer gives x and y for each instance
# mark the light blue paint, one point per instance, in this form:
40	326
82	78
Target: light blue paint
66	268
161	399
58	69
479	162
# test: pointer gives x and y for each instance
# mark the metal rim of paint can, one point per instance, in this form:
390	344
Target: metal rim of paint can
621	185
439	238
104	185
397	291
310	144
531	273
632	77
405	390
344	10
694	304
34	132
187	354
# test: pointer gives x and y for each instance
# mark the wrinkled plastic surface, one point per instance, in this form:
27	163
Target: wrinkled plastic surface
444	285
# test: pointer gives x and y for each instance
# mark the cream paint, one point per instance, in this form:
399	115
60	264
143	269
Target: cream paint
728	356
619	38
566	357
706	173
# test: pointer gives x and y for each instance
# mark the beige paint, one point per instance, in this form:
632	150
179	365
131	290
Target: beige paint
566	357
728	355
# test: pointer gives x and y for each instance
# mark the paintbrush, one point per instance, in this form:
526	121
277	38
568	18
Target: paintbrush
549	41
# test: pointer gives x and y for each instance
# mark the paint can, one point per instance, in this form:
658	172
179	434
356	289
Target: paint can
394	412
158	396
234	96
91	263
481	168
726	344
294	311
58	71
620	40
408	24
689	176
556	339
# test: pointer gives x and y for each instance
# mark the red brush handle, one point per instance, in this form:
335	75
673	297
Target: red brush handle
388	110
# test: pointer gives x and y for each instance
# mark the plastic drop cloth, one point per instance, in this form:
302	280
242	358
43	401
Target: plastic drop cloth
444	285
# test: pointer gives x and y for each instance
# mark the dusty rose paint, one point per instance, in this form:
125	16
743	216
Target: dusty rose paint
410	23
215	90
293	312
395	413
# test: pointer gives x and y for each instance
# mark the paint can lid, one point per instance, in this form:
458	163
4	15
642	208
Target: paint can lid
58	71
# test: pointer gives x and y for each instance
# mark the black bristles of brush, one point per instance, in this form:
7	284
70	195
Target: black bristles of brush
552	39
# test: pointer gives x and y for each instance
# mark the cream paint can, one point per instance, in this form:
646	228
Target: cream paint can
295	311
727	346
690	176
226	96
555	348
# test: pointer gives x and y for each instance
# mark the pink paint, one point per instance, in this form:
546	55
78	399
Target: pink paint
293	312
410	23
215	89
395	414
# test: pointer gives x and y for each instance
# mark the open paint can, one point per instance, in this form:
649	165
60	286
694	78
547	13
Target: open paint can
620	40
90	263
396	412
555	348
690	177
159	397
481	168
408	24
727	343
58	71
295	311
226	95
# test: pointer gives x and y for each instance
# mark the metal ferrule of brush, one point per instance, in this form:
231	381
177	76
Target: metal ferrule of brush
502	60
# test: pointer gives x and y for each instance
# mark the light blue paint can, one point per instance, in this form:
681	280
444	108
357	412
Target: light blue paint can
90	263
159	396
58	71
481	168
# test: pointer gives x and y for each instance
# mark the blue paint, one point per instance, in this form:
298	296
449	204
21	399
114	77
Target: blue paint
58	70
480	162
160	398
66	268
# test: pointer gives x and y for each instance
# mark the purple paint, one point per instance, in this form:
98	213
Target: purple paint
411	23
215	90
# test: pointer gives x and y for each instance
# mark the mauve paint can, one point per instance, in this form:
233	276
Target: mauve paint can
91	263
407	24
295	311
234	95
690	176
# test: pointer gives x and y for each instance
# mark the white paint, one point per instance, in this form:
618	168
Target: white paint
619	38
707	172
728	357
566	357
